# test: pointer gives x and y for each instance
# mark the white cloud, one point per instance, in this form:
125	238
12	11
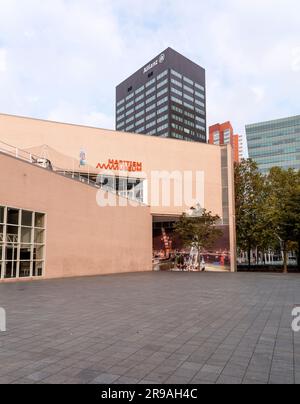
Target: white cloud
70	55
296	60
65	112
3	60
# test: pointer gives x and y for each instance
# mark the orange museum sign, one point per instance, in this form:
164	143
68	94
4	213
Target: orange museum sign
121	165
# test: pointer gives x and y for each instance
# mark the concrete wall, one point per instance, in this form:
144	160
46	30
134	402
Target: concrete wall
81	238
100	145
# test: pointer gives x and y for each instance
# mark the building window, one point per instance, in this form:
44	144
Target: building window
150	99
129	96
200	127
150	108
139	106
189	123
177	100
188	81
199	95
150	83
120	110
162	92
176	135
22	243
189	114
120	117
129	119
189	89
163	109
139	130
162	101
187	97
129	104
151	124
130	111
162	75
120	103
152	132
199	87
129	128
176	82
178	75
217	138
139	90
177	118
163	127
151	91
199	103
162	119
140	122
200	119
151	116
177	109
177	92
187	105
227	136
137	116
162	83
139	98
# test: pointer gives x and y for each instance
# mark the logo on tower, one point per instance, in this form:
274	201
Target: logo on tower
162	58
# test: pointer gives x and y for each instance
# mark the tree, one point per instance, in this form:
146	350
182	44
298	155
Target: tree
252	229
283	208
291	218
198	230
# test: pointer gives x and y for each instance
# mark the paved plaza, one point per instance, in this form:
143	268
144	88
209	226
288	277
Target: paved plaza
152	328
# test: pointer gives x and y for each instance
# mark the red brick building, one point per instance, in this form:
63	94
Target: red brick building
222	134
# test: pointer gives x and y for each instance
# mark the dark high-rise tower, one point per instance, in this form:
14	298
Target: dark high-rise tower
165	98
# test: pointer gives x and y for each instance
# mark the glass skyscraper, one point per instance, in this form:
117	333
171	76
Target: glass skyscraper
275	143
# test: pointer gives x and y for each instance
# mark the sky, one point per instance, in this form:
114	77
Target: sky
62	59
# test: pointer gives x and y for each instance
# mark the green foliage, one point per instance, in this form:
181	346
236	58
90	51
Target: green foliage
198	231
267	208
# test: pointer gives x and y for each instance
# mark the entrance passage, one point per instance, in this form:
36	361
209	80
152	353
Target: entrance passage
169	253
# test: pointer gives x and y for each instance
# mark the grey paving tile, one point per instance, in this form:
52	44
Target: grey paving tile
153	327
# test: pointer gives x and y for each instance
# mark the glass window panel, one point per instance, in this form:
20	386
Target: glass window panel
10	270
26	235
24	269
40	220
25	252
39	236
11	252
39	253
17	255
38	268
12	234
12	216
1	214
1	235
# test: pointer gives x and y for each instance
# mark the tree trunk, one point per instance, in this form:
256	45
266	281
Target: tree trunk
298	255
285	259
249	259
199	259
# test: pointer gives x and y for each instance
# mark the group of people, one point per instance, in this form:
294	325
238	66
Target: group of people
188	262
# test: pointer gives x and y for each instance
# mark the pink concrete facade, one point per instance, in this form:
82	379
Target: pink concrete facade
82	239
153	153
